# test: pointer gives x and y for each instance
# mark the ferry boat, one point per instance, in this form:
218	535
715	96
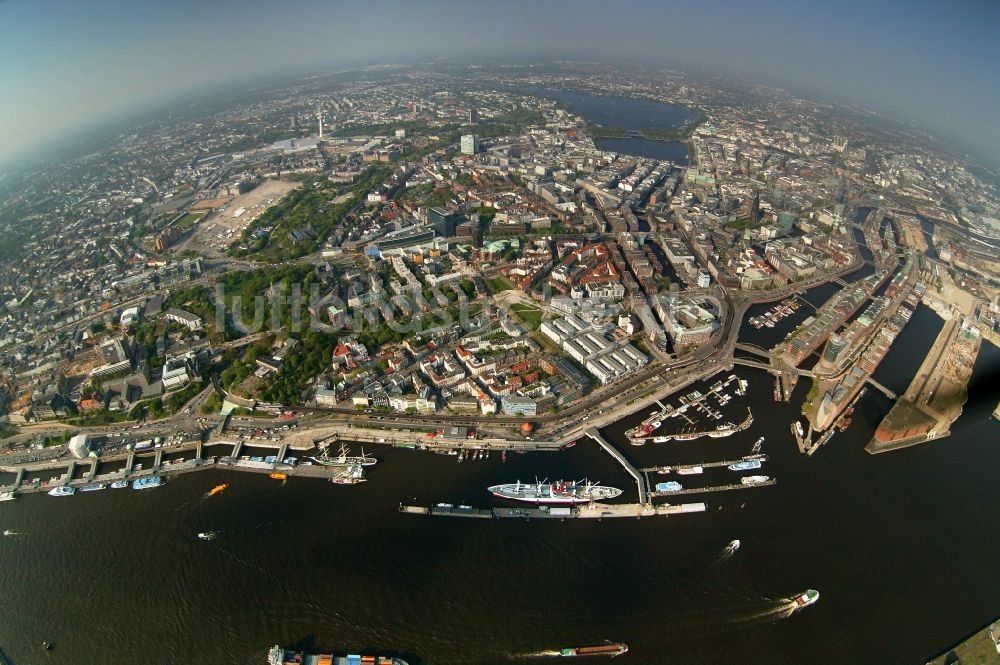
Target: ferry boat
94	488
62	491
754	480
806	598
7	496
690	470
344	459
745	465
119	484
612	650
559	492
280	656
147	483
672	486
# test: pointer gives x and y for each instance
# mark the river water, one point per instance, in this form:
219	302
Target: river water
901	546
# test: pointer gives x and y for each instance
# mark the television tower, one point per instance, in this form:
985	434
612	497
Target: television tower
319	115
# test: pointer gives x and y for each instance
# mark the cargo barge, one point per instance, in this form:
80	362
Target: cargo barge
280	656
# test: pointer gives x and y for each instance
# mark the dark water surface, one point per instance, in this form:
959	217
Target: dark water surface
630	114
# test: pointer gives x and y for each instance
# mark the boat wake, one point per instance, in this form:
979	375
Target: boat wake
773	612
548	653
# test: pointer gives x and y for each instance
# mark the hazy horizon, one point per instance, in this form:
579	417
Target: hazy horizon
72	66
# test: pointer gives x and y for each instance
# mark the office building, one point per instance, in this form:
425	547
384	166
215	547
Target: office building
470	144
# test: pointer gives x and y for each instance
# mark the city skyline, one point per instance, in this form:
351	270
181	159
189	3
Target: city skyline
909	61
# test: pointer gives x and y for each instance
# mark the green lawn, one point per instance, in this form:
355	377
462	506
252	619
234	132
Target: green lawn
498	284
189	220
529	315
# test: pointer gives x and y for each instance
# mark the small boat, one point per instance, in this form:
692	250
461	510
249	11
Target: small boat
806	598
218	489
278	476
119	484
7	496
94	488
754	480
733	545
570	444
461	458
671	486
8	532
47	646
62	491
690	470
207	535
745	465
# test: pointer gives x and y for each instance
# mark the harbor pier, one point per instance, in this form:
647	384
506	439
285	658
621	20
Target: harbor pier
640	481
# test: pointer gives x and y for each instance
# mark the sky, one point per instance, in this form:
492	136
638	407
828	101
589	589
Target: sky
69	64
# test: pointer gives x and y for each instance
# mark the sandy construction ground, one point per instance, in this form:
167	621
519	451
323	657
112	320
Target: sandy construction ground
219	229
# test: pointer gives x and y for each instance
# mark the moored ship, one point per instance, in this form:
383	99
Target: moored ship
94	488
671	486
745	465
279	656
754	480
62	491
119	484
7	496
343	458
147	483
579	491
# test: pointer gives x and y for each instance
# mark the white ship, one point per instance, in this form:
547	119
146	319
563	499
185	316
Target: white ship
558	492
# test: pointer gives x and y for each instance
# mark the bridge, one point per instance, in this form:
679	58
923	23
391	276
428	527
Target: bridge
753	348
784	369
640	481
888	393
